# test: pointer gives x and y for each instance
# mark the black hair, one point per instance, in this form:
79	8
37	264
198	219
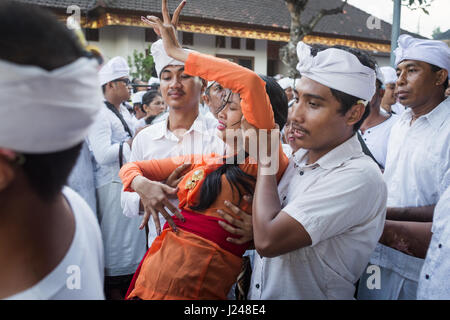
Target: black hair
27	37
237	178
148	98
278	100
346	100
212	185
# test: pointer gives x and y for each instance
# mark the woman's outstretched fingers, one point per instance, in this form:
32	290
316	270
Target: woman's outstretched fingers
176	14
165	12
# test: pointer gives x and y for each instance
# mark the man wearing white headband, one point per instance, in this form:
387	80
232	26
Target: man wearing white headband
389	102
50	241
139	112
315	235
417	166
110	140
376	128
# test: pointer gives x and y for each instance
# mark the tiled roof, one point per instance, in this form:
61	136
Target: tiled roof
271	14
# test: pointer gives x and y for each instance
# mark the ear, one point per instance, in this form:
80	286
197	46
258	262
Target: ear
355	113
441	77
7	173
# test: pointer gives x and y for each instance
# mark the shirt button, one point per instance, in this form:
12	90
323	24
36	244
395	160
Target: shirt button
257	286
427	276
301	173
440	245
284	198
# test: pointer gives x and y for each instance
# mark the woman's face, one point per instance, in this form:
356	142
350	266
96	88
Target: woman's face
155	107
230	115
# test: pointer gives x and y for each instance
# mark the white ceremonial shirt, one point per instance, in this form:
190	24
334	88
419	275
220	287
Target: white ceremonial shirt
377	138
104	139
435	275
157	142
341	202
79	276
417	172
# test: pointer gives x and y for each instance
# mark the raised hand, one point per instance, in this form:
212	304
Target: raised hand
166	29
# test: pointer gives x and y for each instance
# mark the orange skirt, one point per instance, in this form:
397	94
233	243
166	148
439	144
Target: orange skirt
184	266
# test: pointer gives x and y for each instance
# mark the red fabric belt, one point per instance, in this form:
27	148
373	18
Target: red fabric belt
208	228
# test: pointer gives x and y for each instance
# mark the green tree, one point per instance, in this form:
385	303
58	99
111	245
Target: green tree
141	65
436	32
417	4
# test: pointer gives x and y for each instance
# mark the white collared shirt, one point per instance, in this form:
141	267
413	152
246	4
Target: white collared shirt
104	138
341	202
435	275
157	142
418	158
417	172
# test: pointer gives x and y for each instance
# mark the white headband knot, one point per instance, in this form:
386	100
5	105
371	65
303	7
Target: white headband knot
162	59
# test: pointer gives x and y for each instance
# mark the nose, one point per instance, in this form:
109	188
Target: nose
175	82
298	111
401	79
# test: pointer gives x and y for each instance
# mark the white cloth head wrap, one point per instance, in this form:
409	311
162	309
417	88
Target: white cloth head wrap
137	97
389	74
431	51
114	69
286	83
153	80
161	58
337	69
47	111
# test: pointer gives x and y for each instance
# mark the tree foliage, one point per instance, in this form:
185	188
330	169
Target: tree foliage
417	4
141	65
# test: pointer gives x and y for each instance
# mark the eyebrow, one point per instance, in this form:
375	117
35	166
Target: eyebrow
310	95
410	64
178	70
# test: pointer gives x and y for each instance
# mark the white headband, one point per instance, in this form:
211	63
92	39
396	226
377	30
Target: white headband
389	74
161	58
137	97
286	83
47	111
431	51
114	69
337	69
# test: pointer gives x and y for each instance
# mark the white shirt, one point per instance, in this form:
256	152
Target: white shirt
104	138
417	172
418	158
377	137
398	108
79	276
435	275
341	202
157	142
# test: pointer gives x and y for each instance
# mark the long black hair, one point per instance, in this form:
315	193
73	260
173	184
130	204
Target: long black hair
238	179
148	98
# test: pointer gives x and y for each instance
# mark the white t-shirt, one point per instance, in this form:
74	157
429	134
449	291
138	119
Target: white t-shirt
377	137
79	276
341	202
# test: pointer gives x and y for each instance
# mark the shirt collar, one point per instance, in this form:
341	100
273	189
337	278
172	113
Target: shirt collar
435	117
198	125
336	157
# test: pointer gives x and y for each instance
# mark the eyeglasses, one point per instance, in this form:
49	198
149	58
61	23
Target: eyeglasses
126	81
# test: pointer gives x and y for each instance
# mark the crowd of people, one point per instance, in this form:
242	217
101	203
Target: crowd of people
209	181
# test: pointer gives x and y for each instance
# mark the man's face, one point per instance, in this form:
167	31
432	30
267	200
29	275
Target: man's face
178	89
122	88
416	81
214	97
316	121
389	97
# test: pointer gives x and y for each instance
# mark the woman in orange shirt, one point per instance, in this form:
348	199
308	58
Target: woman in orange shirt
196	261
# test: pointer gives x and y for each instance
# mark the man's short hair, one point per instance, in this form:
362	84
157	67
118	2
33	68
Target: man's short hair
27	37
346	100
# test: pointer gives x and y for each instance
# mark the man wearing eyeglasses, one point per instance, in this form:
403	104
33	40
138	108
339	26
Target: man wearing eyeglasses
110	140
